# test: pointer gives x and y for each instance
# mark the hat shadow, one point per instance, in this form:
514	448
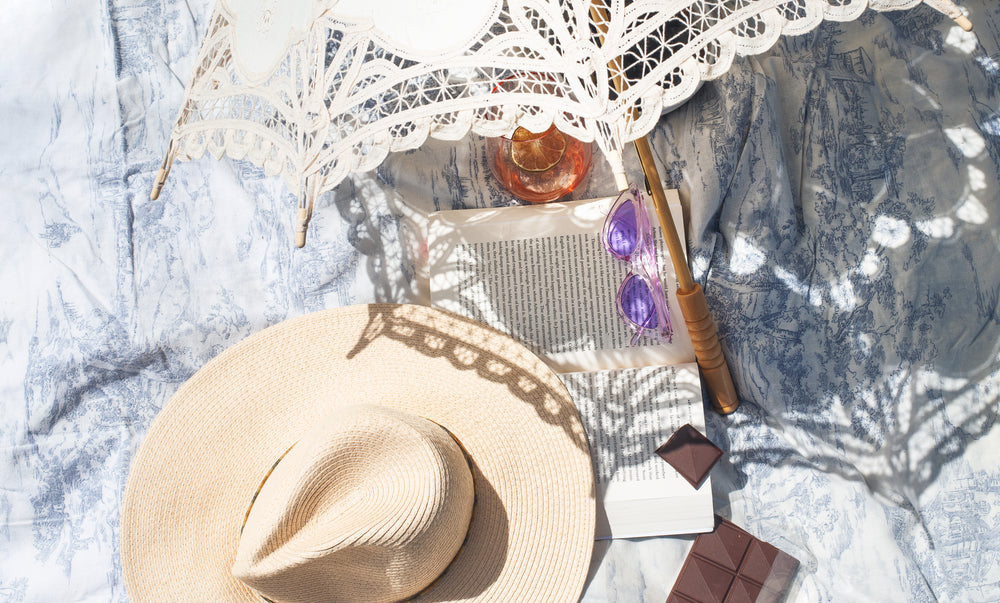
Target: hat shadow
458	339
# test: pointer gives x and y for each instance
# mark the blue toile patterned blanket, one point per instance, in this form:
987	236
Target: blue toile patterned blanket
843	216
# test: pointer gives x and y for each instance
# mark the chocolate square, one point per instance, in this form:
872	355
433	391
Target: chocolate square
782	572
691	454
769	566
725	546
759	561
703	581
743	591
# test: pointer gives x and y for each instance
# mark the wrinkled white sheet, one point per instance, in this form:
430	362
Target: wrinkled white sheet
844	219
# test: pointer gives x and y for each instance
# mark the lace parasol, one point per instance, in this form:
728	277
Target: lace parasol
314	90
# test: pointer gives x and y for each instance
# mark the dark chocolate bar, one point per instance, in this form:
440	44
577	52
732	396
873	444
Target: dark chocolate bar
728	565
690	453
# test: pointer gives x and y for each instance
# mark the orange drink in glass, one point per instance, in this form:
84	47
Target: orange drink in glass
538	167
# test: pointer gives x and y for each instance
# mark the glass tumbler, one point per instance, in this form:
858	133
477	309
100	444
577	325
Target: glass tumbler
538	168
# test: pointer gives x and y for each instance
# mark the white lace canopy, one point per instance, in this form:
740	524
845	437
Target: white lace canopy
314	90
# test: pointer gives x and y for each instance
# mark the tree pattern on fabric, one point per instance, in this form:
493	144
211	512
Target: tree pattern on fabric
841	198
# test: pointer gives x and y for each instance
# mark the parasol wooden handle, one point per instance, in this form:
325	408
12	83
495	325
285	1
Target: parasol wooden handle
691	298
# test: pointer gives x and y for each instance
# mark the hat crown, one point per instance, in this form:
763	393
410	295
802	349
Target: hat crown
372	504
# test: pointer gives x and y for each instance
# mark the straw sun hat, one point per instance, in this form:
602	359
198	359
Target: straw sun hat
377	452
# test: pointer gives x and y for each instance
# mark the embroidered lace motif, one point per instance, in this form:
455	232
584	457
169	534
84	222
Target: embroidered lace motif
339	96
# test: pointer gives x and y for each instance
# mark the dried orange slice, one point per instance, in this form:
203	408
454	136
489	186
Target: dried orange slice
537	152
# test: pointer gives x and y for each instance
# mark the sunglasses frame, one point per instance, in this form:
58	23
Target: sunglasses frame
643	264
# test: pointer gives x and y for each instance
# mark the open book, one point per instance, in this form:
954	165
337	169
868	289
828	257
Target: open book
541	274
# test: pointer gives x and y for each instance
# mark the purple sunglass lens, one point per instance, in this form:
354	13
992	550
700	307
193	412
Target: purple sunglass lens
637	302
622	232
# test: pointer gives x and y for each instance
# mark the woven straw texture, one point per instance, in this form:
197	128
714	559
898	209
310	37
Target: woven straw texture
372	503
203	458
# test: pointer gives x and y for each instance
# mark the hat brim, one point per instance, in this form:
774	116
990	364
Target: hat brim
203	458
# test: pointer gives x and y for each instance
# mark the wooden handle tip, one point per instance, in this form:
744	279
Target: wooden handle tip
301	225
721	391
161	178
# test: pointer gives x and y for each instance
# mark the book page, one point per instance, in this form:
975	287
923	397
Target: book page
541	274
628	414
